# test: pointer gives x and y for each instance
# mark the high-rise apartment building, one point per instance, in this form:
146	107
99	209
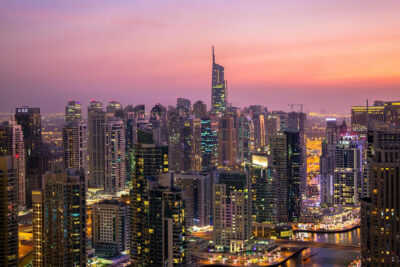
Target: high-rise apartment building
219	92
298	121
96	166
114	155
147	161
166	227
380	210
232	211
12	144
8	212
226	141
208	144
30	121
348	171
278	150
196	194
111	228
59	220
263	189
74	146
73	112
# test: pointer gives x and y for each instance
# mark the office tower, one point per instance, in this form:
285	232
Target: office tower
187	144
8	212
327	161
219	92
226	142
360	115
208	144
96	167
147	160
114	153
59	220
73	112
282	119
232	211
74	143
166	233
348	171
30	121
158	121
380	210
183	105
278	150
174	139
199	109
294	161
259	132
243	138
298	120
196	194
111	229
12	144
263	189
392	112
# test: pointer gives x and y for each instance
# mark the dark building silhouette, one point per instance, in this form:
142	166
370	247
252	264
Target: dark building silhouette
30	121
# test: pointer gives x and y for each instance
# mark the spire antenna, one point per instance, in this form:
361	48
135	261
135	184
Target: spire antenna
213	55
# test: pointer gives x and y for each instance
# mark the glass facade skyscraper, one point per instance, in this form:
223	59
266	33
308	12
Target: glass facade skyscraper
219	97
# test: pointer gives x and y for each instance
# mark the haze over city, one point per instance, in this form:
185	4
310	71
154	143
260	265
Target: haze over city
274	52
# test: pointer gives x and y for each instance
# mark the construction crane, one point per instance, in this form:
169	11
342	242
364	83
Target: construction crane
299	105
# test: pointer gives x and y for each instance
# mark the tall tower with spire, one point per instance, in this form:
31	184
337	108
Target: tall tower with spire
219	97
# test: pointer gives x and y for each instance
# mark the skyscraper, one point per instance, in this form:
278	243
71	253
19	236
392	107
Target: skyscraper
96	167
263	189
8	212
59	220
208	144
196	194
294	161
226	141
147	160
348	171
278	150
30	121
298	120
73	112
232	211
327	162
219	94
166	227
380	210
75	146
12	144
114	156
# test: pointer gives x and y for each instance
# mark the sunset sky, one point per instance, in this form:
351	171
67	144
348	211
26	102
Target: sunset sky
324	54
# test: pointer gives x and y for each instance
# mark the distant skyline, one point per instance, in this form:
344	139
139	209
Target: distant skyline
324	54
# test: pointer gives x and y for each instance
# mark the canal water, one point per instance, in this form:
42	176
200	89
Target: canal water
315	257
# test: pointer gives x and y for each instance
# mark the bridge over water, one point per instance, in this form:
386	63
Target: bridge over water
312	244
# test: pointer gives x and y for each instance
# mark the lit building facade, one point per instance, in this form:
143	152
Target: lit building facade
12	144
111	228
380	210
59	220
8	212
219	92
226	141
73	112
232	211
